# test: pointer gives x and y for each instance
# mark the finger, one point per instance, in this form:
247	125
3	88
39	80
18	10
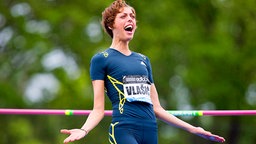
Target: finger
72	138
65	131
216	138
78	138
68	139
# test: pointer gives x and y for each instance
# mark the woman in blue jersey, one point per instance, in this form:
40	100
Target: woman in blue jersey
127	78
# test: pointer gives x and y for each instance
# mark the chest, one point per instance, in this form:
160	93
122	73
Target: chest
133	65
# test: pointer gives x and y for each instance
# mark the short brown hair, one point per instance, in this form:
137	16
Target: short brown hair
109	15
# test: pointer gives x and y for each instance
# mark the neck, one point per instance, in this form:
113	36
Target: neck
121	46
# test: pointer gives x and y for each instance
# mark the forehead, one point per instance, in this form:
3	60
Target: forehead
127	10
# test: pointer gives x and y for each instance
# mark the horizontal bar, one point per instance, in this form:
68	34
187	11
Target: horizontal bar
48	112
6	111
229	112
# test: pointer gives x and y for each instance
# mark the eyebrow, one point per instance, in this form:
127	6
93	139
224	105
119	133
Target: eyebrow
127	13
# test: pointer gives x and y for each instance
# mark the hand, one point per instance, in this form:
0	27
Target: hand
74	134
207	135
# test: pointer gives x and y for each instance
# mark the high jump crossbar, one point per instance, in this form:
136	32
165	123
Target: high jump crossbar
67	112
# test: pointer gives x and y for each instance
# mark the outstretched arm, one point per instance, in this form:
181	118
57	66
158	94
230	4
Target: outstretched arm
94	117
172	120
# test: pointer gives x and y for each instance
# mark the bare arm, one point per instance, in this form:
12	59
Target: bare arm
98	108
163	115
94	117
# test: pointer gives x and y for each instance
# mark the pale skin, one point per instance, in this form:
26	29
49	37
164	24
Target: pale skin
120	42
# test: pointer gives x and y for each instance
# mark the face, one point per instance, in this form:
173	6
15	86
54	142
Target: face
124	25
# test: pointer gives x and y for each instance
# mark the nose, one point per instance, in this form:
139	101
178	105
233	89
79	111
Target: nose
129	18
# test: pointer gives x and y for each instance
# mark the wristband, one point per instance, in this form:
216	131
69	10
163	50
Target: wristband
86	132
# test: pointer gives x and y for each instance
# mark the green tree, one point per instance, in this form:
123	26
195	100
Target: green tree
202	54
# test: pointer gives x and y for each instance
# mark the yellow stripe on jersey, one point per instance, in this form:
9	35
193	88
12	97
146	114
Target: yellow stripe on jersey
120	93
112	134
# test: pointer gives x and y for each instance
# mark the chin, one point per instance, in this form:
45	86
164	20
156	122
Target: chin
130	37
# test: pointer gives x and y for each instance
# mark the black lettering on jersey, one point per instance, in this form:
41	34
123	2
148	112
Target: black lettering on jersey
138	90
128	90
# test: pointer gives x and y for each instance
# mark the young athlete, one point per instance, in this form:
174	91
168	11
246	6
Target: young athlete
127	78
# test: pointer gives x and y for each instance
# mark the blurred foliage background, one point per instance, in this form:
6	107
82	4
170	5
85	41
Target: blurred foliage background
203	54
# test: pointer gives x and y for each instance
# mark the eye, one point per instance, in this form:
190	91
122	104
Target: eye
123	16
133	16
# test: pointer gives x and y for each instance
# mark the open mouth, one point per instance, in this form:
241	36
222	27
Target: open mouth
128	28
